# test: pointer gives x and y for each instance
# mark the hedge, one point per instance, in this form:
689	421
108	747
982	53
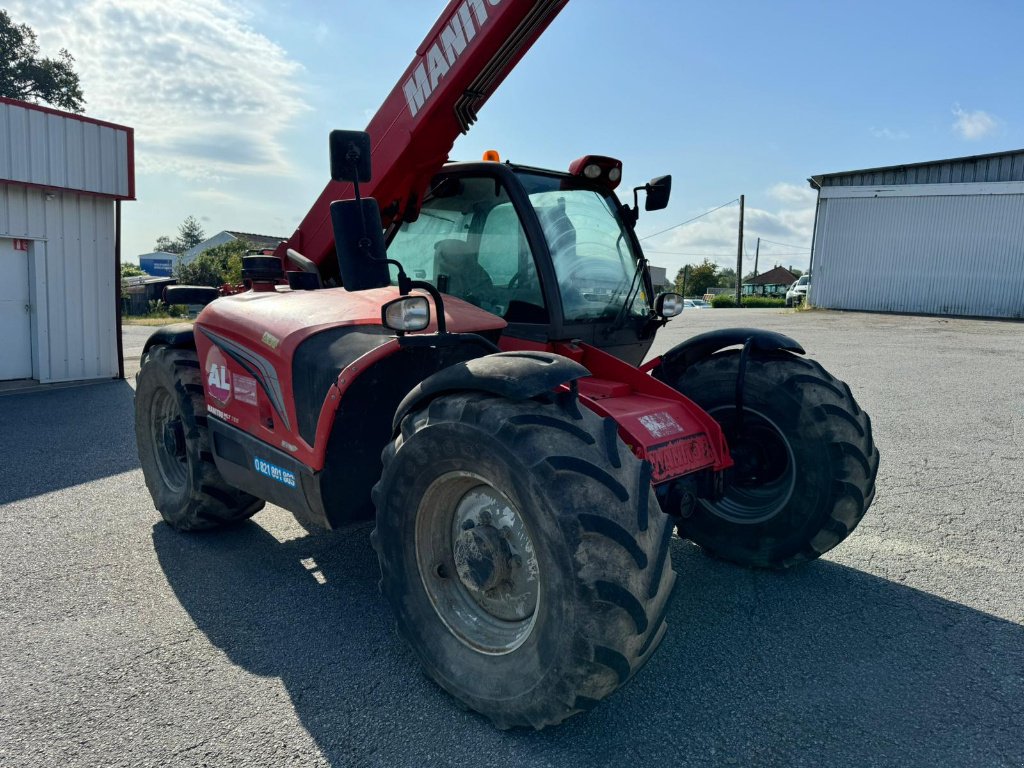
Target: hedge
726	300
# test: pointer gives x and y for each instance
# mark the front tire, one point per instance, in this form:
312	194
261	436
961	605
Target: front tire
174	446
523	553
806	462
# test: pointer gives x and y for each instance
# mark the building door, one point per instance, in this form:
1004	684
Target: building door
15	311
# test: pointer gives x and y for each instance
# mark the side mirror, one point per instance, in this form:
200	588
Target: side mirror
350	156
658	191
190	294
359	243
668	305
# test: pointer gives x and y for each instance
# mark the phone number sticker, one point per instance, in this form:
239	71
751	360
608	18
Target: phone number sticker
274	472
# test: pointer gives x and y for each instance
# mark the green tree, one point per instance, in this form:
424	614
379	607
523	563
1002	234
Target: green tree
131	270
697	278
190	234
215	266
727	278
165	244
26	76
679	284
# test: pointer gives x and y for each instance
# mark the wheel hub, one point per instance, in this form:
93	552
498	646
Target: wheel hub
477	563
482	559
167	432
764	477
174	439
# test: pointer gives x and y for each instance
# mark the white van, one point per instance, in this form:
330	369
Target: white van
798	291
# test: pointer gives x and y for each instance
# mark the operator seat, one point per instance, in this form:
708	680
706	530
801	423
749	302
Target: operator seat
466	278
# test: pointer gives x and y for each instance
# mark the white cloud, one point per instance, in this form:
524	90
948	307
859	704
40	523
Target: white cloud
973	125
785	192
208	96
788	227
215	195
888	134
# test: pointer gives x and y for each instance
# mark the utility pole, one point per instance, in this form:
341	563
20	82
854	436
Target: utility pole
686	274
739	260
757	255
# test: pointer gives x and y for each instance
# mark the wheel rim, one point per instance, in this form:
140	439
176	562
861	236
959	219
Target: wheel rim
477	563
168	437
764	477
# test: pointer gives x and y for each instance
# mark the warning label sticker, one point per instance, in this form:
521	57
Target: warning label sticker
245	389
660	424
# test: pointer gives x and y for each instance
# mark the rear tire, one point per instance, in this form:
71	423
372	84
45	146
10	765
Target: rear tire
806	460
174	446
547	485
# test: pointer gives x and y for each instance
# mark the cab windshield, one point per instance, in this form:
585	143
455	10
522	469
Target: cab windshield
591	250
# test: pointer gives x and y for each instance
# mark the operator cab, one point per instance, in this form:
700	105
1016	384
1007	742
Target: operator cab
554	254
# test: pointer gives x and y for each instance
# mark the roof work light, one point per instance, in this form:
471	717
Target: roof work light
604	170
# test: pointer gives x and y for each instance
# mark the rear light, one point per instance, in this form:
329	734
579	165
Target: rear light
604	170
409	313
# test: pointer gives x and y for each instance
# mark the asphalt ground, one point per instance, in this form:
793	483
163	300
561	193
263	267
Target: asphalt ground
123	643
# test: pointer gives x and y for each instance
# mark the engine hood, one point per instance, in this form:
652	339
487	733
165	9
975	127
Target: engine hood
281	319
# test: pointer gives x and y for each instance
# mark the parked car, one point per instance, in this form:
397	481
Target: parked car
798	291
695	304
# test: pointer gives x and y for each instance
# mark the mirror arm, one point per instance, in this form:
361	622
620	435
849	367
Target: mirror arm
634	212
434	294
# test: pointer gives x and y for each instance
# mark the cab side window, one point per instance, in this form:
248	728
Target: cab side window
469	243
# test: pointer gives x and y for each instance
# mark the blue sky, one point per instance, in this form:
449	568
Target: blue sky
232	103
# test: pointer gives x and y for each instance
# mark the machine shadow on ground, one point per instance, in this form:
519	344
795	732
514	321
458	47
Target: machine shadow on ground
57	438
825	665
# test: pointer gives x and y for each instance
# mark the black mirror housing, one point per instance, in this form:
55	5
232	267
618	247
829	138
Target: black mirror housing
658	191
668	305
359	242
190	294
350	156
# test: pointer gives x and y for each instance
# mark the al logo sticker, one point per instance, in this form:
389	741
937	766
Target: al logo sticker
218	377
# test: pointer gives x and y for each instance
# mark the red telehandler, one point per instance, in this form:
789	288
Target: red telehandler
455	352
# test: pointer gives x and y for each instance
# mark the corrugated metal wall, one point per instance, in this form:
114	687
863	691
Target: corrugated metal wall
955	254
59	177
1004	166
72	280
46	149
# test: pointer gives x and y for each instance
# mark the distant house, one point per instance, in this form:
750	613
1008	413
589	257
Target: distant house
774	282
260	242
158	263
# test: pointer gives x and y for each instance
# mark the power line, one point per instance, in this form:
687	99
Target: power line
717	255
675	226
680	253
788	245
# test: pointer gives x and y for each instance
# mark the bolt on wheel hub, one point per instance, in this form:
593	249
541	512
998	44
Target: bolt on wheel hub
477	562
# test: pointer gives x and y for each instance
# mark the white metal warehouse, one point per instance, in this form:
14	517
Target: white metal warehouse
62	180
943	237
